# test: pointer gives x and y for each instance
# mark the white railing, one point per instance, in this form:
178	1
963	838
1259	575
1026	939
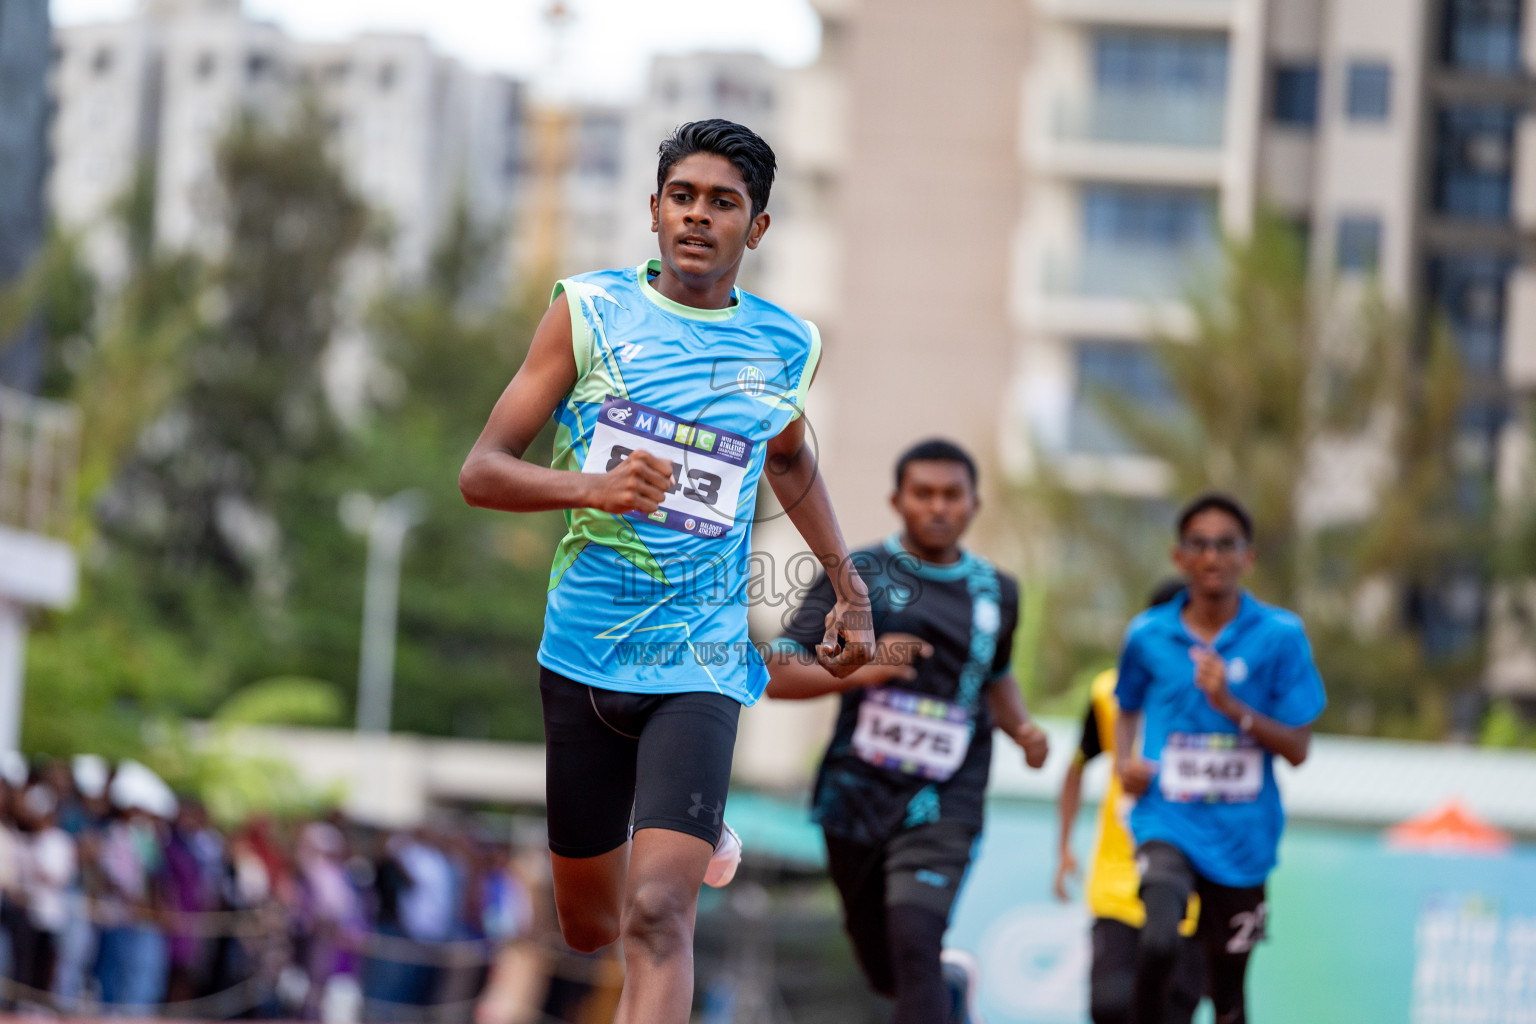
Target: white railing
39	454
1190	120
1140	272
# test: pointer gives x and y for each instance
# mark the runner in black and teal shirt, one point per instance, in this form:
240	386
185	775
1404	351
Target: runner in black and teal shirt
901	788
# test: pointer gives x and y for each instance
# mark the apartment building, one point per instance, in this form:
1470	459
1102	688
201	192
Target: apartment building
414	130
1398	135
23	158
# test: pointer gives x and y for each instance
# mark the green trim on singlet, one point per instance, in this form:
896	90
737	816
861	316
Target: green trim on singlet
642	275
597	365
809	373
581	332
597	376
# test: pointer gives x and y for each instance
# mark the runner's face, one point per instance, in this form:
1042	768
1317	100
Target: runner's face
1213	554
936	502
704	217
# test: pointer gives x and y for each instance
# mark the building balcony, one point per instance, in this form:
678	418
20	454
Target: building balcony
1210	14
1151	138
1147	274
1125	292
39	451
1155	119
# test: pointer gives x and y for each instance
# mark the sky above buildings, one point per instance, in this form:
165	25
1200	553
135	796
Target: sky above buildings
606	46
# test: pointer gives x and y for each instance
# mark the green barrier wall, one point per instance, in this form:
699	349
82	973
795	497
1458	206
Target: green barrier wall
1359	933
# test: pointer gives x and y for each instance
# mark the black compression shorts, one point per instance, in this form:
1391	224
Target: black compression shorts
611	757
1112	977
918	867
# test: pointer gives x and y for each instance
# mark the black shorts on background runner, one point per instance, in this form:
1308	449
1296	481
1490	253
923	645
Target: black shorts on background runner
1112	978
1232	922
919	867
612	757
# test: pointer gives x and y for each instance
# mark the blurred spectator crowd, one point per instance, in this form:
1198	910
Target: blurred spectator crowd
117	898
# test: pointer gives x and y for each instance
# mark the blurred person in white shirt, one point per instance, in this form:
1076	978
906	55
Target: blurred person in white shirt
48	871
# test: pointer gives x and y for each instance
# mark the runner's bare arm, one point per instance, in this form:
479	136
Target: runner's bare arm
793	677
1010	715
797	483
1067	805
1136	772
495	474
1290	742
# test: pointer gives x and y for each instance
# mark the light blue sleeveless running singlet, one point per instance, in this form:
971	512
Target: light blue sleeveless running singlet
657	604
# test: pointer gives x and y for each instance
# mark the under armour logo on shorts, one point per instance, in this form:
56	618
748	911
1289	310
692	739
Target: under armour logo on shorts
698	805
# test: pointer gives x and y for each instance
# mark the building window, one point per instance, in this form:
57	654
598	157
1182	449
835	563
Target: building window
1368	96
101	63
207	65
1296	94
1483	35
599	143
1160	62
1473	162
387	76
257	65
1108	373
1359	244
1469	289
1165	218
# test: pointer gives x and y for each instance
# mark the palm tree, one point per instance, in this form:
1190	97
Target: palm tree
1335	422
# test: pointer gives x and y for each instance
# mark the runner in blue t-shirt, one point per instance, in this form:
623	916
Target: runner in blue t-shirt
671	390
1217	683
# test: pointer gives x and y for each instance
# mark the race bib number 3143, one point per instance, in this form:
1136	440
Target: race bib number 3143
709	465
1210	768
912	734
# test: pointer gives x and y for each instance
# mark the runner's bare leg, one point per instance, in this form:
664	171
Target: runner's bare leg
589	897
665	871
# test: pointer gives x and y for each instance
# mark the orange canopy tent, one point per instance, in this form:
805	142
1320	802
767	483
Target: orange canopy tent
1449	828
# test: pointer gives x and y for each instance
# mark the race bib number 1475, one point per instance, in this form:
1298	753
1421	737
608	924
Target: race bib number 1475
911	733
709	465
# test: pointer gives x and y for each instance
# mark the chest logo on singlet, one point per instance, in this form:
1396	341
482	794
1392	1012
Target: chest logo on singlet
709	464
752	380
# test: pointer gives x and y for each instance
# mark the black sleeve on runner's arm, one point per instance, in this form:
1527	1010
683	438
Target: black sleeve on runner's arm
808	624
1090	747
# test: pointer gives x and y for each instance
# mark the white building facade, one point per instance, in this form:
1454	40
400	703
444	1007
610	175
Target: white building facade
415	131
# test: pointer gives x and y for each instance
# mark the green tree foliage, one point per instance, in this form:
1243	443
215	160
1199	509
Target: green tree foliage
1282	387
214	462
472	598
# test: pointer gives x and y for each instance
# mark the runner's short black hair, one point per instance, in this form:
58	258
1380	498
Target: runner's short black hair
1221	503
745	149
935	450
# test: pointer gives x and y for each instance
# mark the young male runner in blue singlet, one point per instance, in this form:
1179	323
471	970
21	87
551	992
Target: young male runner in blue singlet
901	789
671	391
1218	683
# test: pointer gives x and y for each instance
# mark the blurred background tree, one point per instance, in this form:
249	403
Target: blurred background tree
1283	391
231	397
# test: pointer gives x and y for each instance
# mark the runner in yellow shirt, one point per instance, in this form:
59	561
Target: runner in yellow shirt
1113	879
